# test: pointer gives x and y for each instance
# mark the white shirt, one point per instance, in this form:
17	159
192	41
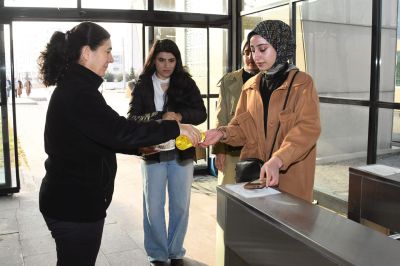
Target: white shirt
159	93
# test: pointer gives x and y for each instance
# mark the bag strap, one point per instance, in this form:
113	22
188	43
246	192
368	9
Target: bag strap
284	106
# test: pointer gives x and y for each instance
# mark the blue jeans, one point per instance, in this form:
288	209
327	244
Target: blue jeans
177	177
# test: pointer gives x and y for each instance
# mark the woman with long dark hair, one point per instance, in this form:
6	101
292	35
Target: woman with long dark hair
82	135
166	91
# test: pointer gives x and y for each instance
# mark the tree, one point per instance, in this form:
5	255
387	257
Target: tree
132	74
109	76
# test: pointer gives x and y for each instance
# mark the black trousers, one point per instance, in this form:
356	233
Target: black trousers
77	243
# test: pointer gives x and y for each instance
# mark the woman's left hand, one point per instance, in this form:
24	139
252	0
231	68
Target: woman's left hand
270	171
148	150
172	116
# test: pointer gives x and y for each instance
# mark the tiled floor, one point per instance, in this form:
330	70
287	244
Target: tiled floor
25	239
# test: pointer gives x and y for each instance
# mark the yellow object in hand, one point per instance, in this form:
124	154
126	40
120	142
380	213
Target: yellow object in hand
183	142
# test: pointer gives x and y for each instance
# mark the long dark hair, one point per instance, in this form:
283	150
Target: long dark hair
65	48
167	46
179	79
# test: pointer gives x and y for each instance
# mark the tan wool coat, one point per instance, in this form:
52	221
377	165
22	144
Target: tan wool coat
297	137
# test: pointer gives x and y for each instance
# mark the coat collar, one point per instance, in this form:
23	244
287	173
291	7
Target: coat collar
254	82
78	74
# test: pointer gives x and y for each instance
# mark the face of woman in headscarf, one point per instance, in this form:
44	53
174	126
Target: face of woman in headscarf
165	64
264	54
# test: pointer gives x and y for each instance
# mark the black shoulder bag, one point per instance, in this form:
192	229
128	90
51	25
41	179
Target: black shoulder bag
249	169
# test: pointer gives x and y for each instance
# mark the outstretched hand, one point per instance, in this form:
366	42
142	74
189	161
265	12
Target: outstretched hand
212	137
191	132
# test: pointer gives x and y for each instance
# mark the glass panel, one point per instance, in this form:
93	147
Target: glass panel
250	21
397	58
396	127
336	36
41	3
192	44
218	57
388	51
194	6
343	143
128	62
254	4
106	4
31	110
389	138
5	83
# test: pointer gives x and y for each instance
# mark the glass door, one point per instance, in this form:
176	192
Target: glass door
9	174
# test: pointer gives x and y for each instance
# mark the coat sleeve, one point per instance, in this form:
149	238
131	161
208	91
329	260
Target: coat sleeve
137	110
235	135
303	136
90	114
222	115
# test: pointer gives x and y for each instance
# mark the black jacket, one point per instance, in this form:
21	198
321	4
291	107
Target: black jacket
82	135
183	96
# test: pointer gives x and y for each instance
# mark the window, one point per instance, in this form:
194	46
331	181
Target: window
41	3
250	21
194	6
106	4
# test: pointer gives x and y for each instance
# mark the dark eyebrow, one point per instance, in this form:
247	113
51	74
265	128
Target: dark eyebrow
259	45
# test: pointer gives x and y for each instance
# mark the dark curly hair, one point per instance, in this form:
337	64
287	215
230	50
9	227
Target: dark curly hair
65	48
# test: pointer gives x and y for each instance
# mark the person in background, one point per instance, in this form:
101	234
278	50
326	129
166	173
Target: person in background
28	87
18	88
290	158
166	91
8	87
82	134
230	89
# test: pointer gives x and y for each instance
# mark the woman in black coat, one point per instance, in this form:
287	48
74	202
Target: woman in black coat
166	91
82	135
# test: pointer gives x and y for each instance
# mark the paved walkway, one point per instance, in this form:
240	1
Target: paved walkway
25	239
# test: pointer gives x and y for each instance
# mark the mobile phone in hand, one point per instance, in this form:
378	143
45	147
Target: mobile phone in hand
256	184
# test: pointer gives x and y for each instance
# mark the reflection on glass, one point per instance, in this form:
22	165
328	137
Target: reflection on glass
218	57
329	33
388	48
193	6
396	127
397	58
389	138
343	143
41	3
250	21
106	4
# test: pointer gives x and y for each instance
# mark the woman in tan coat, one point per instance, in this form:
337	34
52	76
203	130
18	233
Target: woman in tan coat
290	158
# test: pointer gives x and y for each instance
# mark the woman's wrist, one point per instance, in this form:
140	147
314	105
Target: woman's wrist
224	135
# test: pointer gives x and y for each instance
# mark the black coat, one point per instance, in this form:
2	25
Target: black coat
183	96
82	135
